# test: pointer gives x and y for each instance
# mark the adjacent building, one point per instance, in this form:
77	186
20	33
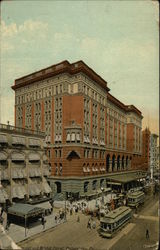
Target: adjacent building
153	153
24	166
146	149
90	134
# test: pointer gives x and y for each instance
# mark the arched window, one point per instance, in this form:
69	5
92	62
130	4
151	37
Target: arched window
94	185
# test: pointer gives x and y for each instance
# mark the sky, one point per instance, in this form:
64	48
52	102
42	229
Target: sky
118	39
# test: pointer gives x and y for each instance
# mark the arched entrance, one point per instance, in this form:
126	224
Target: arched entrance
107	162
127	161
86	184
118	162
123	162
58	186
113	162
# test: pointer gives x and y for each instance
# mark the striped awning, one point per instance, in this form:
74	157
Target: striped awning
4	174
34	189
3	195
18	191
34	157
46	171
34	142
46	188
16	156
3	156
18	140
34	172
3	138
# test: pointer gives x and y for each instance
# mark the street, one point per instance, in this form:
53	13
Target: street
76	234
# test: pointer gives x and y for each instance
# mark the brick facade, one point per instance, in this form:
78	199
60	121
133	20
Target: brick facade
89	132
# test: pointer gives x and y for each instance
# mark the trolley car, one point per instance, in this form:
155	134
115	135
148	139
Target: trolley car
114	221
135	199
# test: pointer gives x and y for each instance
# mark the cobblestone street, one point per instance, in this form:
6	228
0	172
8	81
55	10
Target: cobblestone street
76	234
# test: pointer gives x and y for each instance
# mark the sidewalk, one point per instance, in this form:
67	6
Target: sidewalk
17	233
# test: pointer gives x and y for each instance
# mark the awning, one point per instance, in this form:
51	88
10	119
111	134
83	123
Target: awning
3	156
78	137
18	191
3	138
4	174
46	205
25	210
34	157
114	183
33	172
73	137
88	140
34	189
3	195
17	157
46	188
34	142
18	140
68	137
14	173
56	138
45	158
46	171
85	139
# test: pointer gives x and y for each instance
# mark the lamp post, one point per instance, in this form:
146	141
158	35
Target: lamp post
102	189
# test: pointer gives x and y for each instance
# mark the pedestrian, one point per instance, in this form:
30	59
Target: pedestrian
43	221
55	218
89	224
7	225
94	225
71	211
147	234
78	219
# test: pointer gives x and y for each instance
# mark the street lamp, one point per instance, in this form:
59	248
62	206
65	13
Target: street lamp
102	189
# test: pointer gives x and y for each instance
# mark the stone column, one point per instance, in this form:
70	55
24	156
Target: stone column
10	178
115	165
27	172
120	165
110	165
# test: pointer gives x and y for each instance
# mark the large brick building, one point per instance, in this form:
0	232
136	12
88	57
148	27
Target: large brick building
91	134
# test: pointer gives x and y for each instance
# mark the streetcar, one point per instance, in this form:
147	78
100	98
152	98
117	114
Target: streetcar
114	221
134	199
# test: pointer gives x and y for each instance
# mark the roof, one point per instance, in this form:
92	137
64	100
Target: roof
23	210
125	108
116	214
135	194
125	177
56	69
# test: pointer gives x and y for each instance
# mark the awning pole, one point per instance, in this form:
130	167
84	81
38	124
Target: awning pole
25	226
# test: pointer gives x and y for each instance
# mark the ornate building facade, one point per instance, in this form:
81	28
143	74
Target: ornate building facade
90	134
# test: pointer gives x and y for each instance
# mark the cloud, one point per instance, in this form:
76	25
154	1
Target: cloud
13	29
13	35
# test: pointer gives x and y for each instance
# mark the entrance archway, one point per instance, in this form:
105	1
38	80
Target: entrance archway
113	162
58	186
107	162
123	162
127	161
118	162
